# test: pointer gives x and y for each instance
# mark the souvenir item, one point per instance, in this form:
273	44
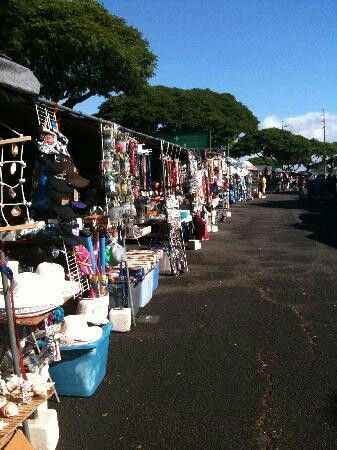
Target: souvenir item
71	234
74	179
16	211
120	147
52	272
60	204
15	150
11	193
120	319
75	328
47	143
13	382
10	410
115	213
41	389
95	310
108	140
58	184
22	394
3	425
13	168
83	259
118	252
108	164
124	188
110	186
33	290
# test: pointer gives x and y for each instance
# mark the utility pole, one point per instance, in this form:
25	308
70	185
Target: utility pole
324	129
283	125
324	124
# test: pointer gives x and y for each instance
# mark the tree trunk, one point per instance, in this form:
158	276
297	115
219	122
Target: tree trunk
74	99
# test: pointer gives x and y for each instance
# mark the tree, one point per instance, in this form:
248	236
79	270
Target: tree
324	154
263	161
283	147
173	110
76	48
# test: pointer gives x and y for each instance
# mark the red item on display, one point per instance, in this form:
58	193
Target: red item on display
144	170
201	228
133	157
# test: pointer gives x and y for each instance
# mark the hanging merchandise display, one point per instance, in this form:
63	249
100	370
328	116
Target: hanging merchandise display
56	175
14	207
126	170
172	181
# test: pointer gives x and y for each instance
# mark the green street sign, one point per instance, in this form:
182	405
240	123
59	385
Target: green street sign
189	139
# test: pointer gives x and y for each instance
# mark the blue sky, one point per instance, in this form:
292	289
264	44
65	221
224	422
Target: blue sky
276	56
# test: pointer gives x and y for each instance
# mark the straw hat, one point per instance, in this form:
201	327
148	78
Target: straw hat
75	328
94	310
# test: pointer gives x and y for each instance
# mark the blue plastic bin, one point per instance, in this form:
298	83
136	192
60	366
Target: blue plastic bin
82	368
156	276
136	297
145	289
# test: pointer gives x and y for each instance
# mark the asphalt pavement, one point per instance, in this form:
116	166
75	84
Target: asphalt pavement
241	351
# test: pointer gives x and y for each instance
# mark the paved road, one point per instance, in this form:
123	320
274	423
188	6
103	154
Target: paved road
244	355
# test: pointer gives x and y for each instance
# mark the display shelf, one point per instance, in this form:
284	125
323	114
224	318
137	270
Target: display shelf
25	226
15	140
97	219
33	320
25	411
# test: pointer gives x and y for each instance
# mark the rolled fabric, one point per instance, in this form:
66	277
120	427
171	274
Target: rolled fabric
92	254
102	260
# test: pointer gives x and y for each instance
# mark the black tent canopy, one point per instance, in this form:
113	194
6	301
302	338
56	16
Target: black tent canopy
17	77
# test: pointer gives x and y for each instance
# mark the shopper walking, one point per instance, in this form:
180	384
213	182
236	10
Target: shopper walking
263	184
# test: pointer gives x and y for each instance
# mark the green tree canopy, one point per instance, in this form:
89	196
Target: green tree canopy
76	48
175	110
324	155
259	161
283	147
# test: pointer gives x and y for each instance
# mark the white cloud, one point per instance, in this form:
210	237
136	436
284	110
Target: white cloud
308	125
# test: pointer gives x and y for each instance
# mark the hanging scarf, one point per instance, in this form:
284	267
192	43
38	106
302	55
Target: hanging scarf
173	174
140	173
178	173
144	171
168	174
149	174
133	157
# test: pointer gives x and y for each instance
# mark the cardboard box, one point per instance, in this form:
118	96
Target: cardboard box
194	244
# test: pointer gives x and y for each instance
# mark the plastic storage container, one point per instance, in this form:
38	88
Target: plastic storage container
156	276
165	266
120	319
135	297
145	289
82	368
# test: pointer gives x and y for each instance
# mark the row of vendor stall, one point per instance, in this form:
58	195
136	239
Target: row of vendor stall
90	214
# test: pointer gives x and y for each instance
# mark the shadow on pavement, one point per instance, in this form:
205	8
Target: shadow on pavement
331	411
319	218
322	225
279	204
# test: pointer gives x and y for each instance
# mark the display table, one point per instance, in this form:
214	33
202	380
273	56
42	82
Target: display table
33	320
25	411
142	231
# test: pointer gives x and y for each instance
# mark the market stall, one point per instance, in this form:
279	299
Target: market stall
23	387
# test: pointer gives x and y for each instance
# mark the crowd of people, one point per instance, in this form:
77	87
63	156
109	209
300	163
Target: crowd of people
310	186
273	181
320	187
